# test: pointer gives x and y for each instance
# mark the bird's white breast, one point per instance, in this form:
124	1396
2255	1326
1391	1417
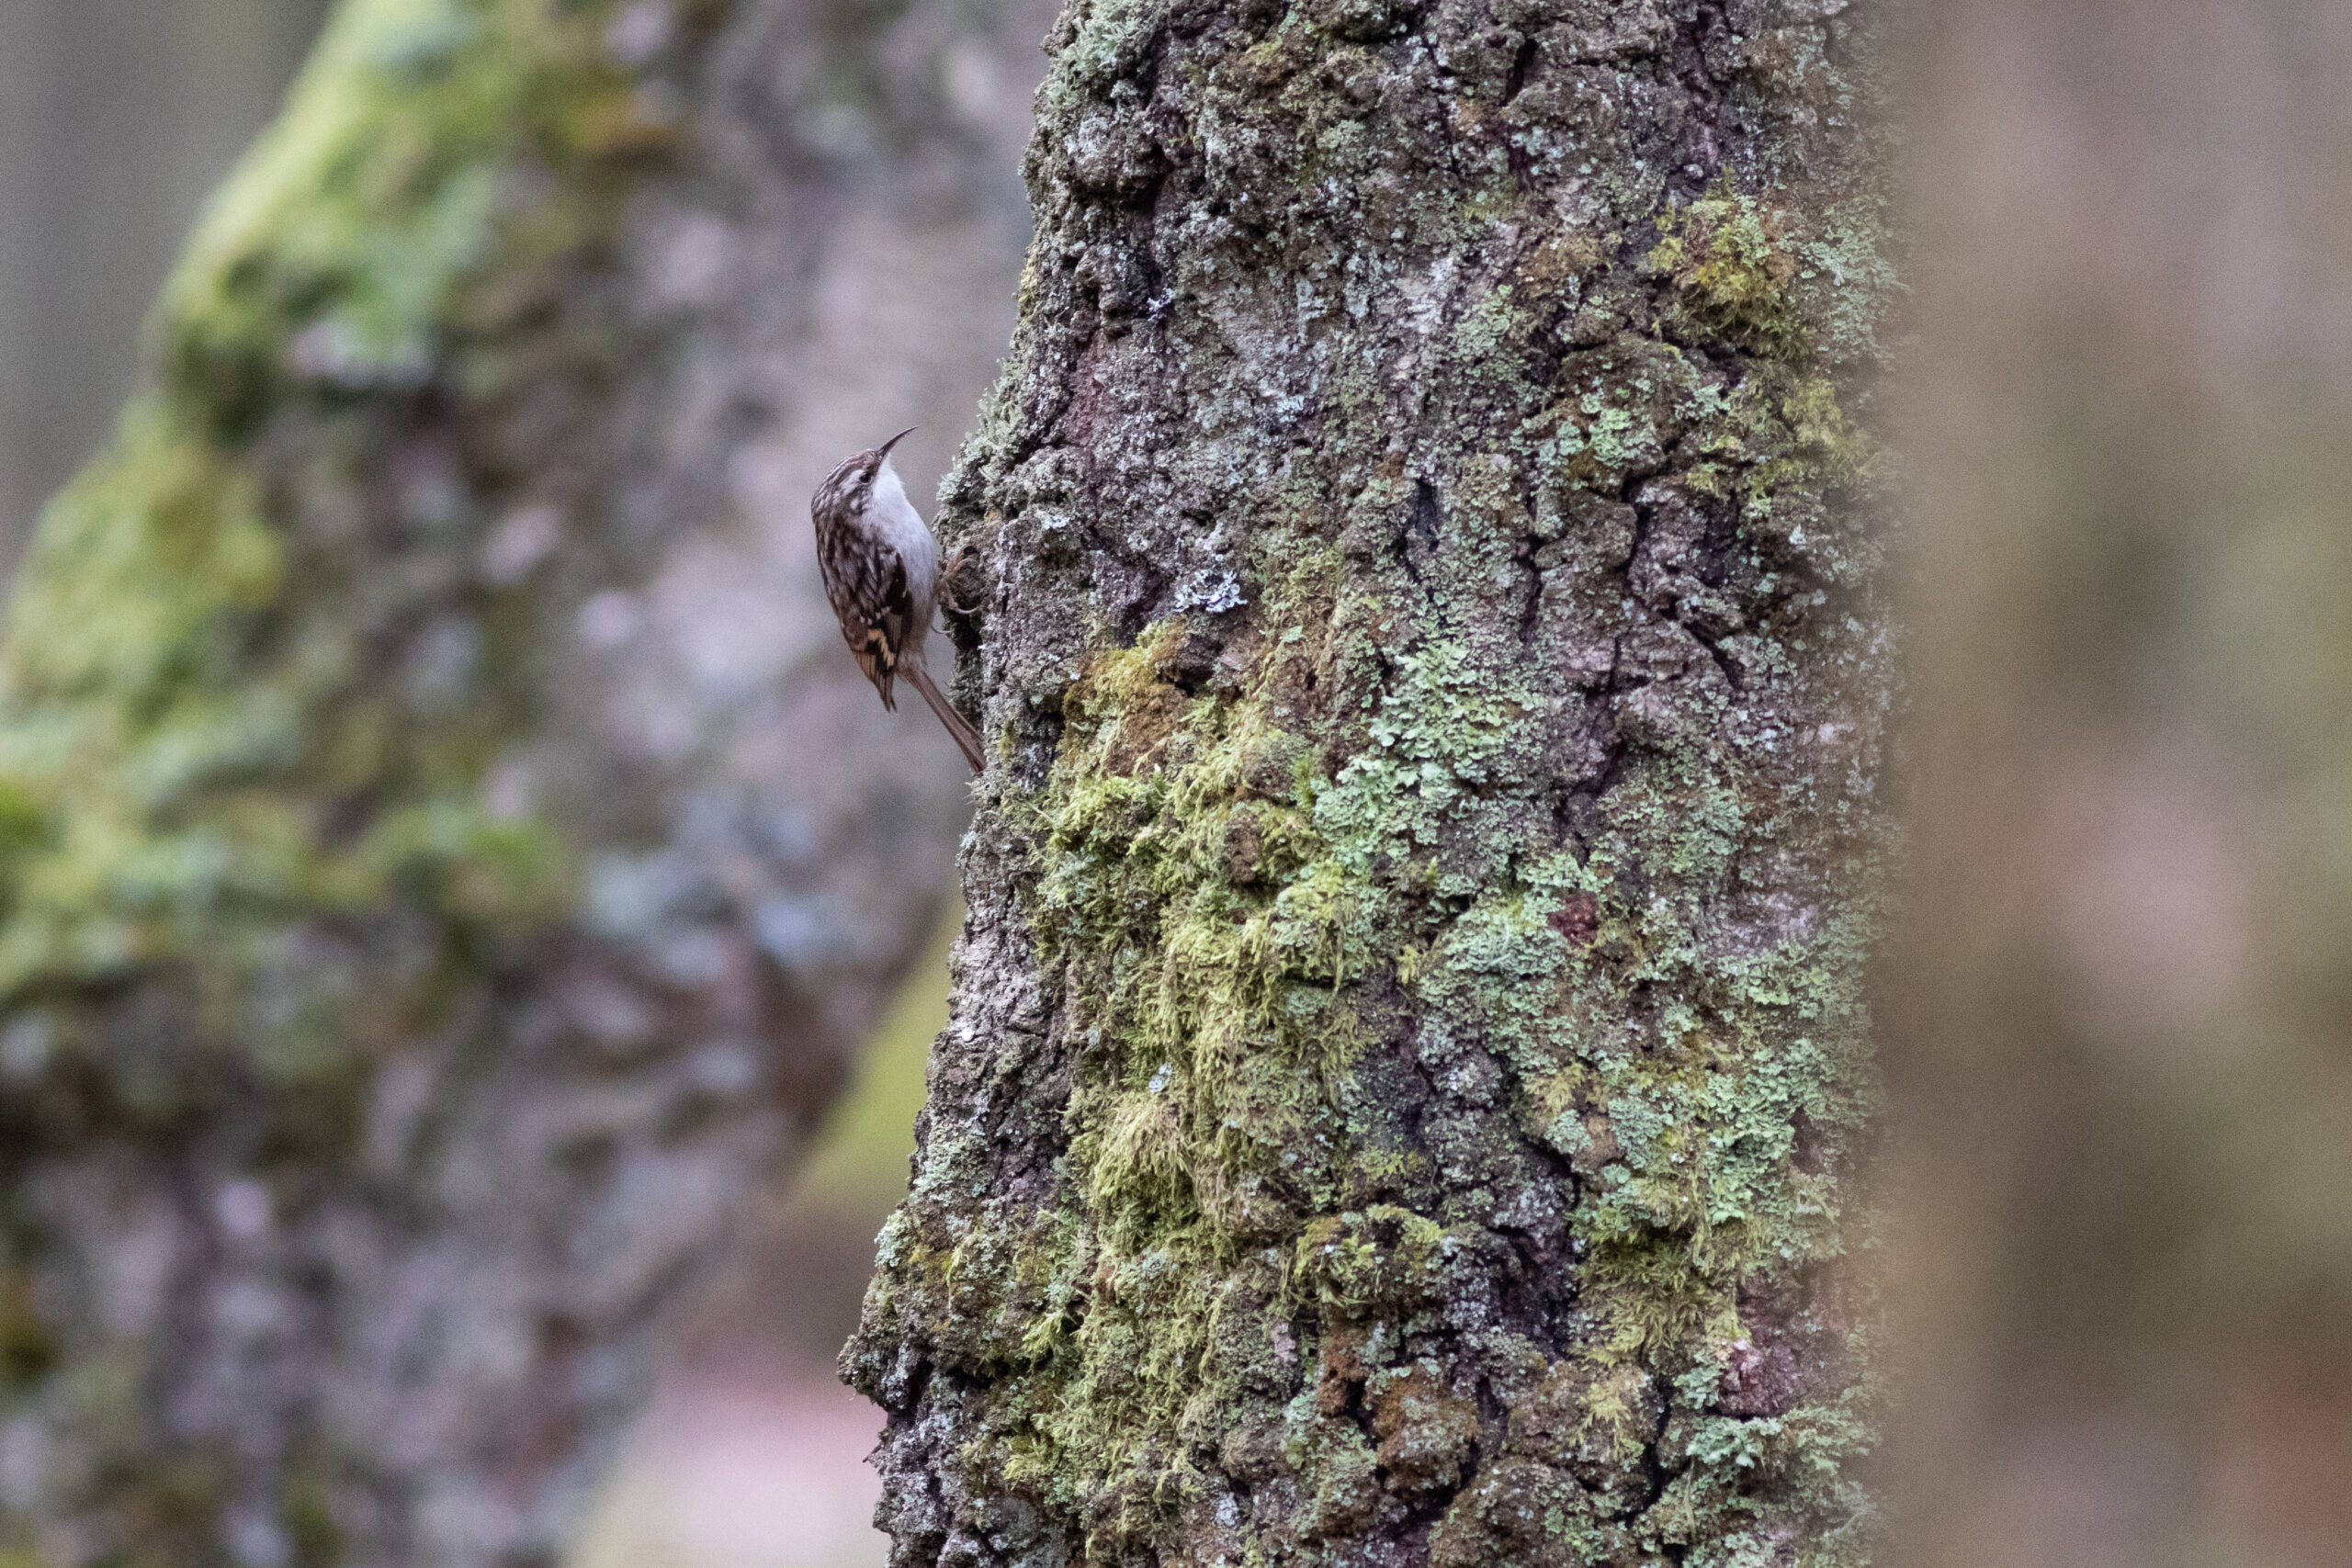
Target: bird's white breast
896	519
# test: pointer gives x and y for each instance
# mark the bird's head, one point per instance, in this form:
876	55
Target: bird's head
847	487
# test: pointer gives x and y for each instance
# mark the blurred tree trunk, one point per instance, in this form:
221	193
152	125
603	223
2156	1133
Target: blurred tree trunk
445	856
1409	1065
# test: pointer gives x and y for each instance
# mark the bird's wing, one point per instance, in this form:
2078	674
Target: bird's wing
868	586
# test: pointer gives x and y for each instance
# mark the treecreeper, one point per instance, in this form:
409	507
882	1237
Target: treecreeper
880	562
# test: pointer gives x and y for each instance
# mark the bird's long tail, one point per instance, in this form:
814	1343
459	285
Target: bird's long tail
967	739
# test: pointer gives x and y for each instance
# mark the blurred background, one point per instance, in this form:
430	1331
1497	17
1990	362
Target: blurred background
2120	1022
118	117
754	1453
2118	1051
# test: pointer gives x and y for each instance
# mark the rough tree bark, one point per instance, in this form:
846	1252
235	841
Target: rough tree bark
447	855
1408	1065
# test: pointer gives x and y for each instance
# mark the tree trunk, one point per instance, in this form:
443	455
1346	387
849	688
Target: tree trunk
1408	1062
448	853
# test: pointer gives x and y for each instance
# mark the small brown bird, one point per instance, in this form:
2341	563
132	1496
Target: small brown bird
881	568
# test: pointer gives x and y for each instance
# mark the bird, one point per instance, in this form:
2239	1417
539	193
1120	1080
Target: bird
882	573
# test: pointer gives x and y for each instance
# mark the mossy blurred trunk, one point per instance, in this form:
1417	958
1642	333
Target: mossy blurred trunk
445	856
1408	1065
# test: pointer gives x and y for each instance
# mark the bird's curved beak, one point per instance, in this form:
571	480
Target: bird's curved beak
885	446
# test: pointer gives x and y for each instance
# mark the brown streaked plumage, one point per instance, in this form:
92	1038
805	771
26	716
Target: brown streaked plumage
880	563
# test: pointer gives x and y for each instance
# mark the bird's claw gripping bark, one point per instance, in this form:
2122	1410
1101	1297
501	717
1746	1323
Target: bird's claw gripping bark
946	593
